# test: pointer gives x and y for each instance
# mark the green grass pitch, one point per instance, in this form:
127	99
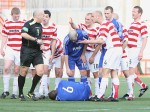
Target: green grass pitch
138	105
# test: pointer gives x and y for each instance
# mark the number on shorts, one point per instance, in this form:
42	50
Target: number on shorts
95	66
84	65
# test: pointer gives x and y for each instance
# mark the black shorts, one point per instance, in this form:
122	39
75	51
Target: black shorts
30	55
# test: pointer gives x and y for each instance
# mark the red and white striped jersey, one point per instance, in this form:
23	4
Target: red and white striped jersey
48	34
109	35
125	38
136	32
59	48
92	33
125	34
12	30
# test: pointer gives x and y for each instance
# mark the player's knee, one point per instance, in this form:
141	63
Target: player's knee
6	70
59	75
23	72
83	72
16	71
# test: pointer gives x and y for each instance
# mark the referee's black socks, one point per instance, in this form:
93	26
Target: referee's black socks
35	81
21	82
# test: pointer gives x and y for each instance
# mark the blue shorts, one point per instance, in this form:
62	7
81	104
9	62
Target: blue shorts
78	63
102	57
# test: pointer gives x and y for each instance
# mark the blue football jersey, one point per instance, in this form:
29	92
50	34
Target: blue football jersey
74	49
72	91
119	27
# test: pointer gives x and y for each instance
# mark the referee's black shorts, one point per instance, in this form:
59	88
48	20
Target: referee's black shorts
30	55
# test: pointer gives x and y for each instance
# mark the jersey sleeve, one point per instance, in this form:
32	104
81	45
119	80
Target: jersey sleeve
55	31
55	34
79	25
144	31
65	45
125	34
4	30
25	28
85	34
120	30
103	32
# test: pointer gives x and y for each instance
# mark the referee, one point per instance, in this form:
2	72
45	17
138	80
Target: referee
31	52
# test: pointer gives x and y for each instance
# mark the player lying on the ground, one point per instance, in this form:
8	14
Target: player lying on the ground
70	91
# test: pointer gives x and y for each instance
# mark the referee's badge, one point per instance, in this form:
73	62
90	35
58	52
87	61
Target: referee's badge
38	32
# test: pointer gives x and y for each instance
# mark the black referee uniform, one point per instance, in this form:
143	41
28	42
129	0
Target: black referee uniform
30	53
30	50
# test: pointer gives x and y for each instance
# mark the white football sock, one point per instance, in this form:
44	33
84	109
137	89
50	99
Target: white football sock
44	83
57	81
103	87
6	79
96	86
130	85
15	85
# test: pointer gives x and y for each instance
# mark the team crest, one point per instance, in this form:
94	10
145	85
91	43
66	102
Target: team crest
105	62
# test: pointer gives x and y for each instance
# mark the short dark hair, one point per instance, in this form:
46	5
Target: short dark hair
47	12
140	10
109	7
52	95
15	10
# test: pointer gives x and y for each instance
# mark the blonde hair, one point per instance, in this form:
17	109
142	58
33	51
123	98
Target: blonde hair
73	35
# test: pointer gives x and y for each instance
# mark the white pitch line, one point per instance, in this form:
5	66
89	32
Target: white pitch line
92	110
108	109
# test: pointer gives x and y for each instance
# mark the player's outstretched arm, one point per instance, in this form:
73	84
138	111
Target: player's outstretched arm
98	41
72	24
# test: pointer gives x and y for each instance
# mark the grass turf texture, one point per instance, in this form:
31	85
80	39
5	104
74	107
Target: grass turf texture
138	105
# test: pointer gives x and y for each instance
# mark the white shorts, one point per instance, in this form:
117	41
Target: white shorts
133	57
94	67
112	58
13	55
124	64
46	57
56	62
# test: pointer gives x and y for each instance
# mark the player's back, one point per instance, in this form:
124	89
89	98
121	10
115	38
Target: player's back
72	91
